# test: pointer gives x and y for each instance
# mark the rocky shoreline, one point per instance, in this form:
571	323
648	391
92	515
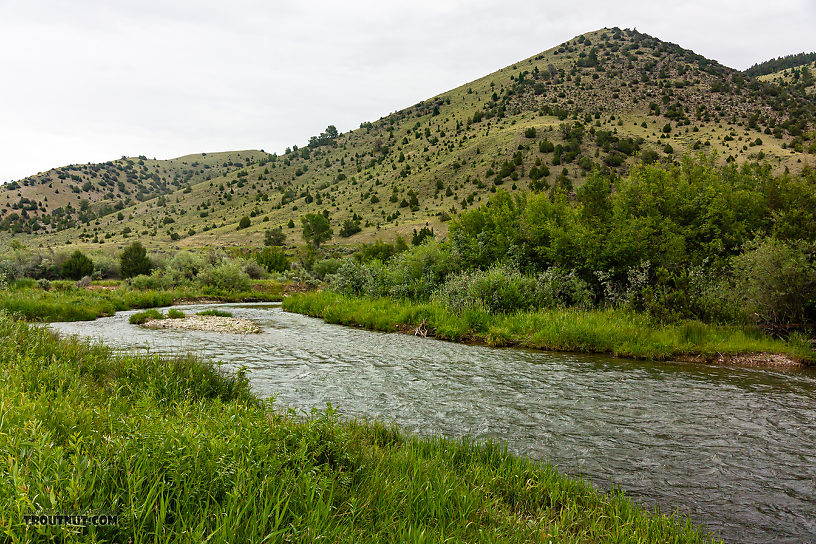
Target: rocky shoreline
208	323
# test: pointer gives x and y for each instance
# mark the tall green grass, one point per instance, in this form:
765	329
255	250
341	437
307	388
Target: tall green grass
68	303
621	333
183	452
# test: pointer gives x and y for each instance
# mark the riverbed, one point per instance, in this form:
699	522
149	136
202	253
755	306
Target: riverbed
734	449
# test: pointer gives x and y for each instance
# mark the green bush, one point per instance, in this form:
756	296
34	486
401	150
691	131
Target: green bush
273	259
134	261
325	268
777	282
77	266
215	313
173	313
155	281
140	318
227	276
185	266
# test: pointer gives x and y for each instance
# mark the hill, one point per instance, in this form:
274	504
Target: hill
602	100
799	78
780	64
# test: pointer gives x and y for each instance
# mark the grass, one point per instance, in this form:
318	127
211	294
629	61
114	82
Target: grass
183	452
621	333
216	313
65	302
140	318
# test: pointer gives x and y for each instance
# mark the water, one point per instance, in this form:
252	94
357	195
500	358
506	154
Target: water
733	449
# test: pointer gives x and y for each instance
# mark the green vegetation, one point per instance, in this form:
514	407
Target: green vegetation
617	331
134	261
215	313
173	313
140	318
728	245
77	267
181	451
316	229
65	302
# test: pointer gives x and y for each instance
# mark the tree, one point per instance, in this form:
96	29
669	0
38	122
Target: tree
316	229
134	261
349	228
244	223
77	266
273	259
274	237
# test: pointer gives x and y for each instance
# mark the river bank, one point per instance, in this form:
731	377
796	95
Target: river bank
64	301
619	333
185	450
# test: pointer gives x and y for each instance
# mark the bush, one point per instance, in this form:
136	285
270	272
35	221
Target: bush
173	313
497	290
140	318
215	313
185	266
356	279
274	237
558	288
777	282
155	281
322	269
273	259
227	276
254	270
77	266
134	261
244	223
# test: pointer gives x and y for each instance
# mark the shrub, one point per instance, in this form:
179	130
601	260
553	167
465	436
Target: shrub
777	282
215	313
274	237
173	313
244	223
227	276
185	266
498	290
322	269
254	270
77	266
155	281
273	259
140	318
558	288
134	261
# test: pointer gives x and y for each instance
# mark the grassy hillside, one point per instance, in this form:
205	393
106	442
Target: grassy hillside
798	78
603	100
62	197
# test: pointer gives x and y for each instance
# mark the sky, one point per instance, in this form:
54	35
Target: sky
93	80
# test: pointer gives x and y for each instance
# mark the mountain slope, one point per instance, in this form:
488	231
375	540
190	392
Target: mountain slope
602	100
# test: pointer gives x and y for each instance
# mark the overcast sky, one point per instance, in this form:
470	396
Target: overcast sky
90	81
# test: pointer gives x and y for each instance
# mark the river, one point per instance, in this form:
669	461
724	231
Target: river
733	449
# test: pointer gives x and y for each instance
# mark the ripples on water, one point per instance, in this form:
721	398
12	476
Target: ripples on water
734	449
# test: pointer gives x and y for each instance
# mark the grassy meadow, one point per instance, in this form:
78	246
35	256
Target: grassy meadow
182	451
619	332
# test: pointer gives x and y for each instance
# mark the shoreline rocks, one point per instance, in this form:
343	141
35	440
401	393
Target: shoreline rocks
207	323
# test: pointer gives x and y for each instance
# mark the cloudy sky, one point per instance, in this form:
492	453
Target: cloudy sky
92	80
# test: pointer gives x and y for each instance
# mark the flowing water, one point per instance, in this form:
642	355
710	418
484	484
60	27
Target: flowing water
733	449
